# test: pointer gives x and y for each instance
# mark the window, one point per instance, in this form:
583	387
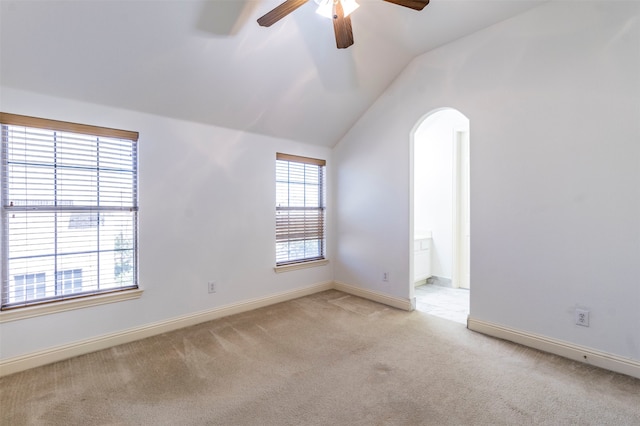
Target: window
69	281
300	209
29	286
69	210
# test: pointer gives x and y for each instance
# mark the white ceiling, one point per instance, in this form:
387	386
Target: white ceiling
210	62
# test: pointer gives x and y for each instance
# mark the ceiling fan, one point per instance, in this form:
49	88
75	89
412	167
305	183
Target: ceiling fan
337	10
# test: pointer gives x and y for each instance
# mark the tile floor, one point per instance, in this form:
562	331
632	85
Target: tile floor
443	302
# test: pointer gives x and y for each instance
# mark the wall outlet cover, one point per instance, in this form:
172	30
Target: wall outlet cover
582	317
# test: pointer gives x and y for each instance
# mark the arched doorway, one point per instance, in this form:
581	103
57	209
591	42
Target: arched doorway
440	222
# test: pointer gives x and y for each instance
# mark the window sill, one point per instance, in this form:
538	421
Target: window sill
301	265
68	305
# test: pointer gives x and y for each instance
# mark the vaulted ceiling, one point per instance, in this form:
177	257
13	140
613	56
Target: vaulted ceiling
210	62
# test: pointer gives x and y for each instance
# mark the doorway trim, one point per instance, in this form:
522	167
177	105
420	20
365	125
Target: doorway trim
461	210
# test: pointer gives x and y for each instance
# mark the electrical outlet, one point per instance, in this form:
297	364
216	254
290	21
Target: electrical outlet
582	317
211	285
385	276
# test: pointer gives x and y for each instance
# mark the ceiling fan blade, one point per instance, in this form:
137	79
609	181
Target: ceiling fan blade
412	4
279	12
342	28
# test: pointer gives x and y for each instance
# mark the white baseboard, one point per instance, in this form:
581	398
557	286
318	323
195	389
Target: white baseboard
558	347
546	344
59	353
375	296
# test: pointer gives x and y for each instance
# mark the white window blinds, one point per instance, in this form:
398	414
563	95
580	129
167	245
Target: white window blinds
300	209
69	210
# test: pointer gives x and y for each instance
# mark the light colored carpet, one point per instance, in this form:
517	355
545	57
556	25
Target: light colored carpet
325	359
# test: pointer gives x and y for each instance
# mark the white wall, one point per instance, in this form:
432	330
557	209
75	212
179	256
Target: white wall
434	143
554	99
207	197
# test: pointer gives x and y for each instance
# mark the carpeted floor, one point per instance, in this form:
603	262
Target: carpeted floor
325	359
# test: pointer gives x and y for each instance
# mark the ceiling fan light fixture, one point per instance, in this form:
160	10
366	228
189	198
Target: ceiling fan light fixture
349	6
327	8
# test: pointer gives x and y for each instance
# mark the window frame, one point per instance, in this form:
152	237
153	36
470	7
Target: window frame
65	301
309	234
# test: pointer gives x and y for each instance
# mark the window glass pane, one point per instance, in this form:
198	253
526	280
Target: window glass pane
69	282
71	214
85	264
30	146
116	188
30	185
312	195
312	175
75	151
28	287
282	194
76	187
18	293
296	195
299	212
30	234
40	286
